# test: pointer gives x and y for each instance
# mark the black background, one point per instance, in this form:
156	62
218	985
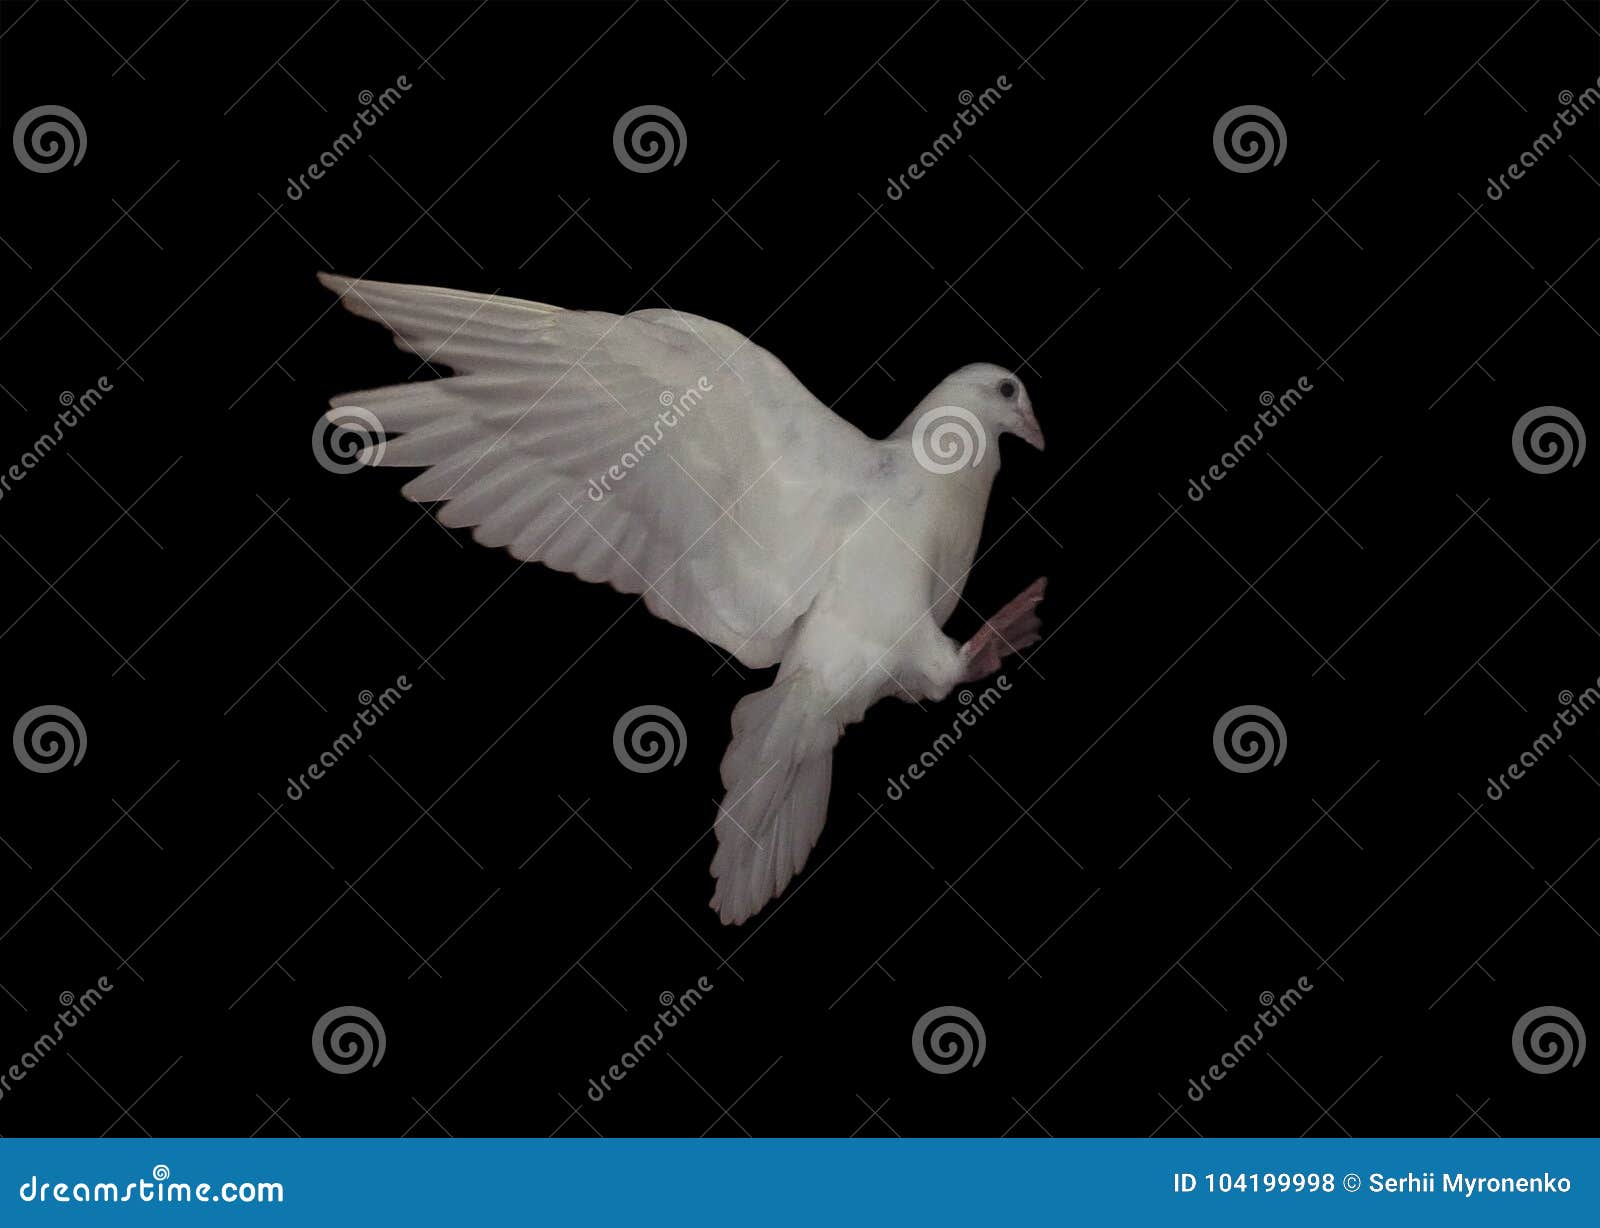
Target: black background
210	602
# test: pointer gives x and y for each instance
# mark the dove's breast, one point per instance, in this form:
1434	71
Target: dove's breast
874	626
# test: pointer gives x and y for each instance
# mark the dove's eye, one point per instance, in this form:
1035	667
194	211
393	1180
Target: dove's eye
1007	389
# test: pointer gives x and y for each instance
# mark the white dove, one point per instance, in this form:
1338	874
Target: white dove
669	456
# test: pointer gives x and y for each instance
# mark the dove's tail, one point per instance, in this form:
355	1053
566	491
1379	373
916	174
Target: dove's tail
777	773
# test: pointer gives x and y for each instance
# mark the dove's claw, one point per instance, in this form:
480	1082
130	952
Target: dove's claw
1014	628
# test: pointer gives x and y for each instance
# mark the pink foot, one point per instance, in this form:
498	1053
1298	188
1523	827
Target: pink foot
1014	628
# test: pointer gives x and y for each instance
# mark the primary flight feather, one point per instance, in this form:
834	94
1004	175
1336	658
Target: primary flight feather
669	456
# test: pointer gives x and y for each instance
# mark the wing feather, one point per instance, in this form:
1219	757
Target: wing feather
661	453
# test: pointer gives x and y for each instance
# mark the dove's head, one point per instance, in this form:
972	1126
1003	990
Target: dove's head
995	397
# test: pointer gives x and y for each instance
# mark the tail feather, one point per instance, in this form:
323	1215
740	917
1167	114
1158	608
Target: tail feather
777	771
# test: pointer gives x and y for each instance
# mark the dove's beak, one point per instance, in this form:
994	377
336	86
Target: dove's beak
1028	426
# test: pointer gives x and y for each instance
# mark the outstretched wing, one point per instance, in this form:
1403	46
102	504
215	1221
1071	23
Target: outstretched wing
661	453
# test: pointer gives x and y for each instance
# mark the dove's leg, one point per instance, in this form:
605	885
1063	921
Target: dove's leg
1014	628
